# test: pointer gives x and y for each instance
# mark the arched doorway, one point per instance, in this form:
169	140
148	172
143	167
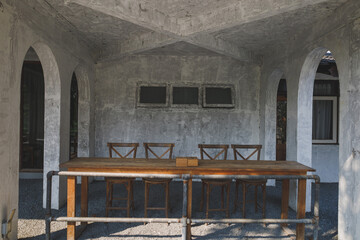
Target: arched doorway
32	117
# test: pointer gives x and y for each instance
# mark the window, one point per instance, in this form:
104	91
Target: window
185	95
218	96
325	111
152	96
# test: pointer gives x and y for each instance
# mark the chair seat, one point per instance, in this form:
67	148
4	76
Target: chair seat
217	181
118	179
253	181
157	180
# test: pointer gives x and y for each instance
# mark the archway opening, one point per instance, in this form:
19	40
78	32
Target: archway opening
326	94
74	96
317	131
32	117
281	117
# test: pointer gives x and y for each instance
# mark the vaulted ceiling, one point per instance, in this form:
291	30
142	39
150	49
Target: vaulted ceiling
242	29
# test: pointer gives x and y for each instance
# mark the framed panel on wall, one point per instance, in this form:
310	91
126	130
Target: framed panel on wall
185	96
152	95
218	96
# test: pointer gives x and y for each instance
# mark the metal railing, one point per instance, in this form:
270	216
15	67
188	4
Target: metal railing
184	220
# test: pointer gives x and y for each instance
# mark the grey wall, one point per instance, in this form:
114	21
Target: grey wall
340	33
118	120
60	53
325	159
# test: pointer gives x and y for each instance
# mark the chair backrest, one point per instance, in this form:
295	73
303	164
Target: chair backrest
115	148
250	150
149	149
222	149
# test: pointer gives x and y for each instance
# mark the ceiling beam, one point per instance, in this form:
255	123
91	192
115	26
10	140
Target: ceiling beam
136	45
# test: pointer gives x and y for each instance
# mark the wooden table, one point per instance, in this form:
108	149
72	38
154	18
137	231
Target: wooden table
206	167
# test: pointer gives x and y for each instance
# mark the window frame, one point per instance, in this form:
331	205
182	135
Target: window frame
334	139
194	106
152	105
232	89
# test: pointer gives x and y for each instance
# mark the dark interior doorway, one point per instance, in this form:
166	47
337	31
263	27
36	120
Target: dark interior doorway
32	115
74	117
281	121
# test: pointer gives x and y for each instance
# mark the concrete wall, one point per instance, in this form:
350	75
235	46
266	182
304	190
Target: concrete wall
60	53
117	118
325	159
339	33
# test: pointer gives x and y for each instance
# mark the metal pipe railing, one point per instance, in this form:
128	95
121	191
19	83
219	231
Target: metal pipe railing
184	220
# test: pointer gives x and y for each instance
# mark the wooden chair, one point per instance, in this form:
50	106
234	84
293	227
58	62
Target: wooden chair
161	181
210	183
250	150
127	182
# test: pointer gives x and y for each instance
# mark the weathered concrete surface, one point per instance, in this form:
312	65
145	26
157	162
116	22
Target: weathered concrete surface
21	29
118	120
343	43
325	159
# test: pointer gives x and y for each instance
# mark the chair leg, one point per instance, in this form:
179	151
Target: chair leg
208	189
128	189
222	196
264	200
227	200
111	194
255	200
244	198
202	196
236	195
146	198
167	200
132	195
107	199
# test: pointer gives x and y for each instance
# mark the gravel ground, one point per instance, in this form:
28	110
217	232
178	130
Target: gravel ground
32	226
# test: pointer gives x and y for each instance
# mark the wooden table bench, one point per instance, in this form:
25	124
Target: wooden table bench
156	166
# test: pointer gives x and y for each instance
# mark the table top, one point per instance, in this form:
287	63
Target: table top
167	166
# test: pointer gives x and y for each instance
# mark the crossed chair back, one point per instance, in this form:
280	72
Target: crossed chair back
149	151
220	154
115	148
222	151
246	154
114	152
164	182
255	149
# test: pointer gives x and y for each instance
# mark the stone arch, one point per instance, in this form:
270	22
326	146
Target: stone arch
304	114
270	114
84	113
52	85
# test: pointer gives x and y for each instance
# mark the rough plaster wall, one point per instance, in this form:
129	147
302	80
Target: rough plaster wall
8	121
18	33
118	120
325	159
340	34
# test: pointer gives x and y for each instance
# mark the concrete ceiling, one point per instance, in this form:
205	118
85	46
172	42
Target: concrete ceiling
242	29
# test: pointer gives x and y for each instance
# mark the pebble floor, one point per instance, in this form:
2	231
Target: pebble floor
32	226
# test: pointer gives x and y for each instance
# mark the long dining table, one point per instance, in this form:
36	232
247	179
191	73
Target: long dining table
168	166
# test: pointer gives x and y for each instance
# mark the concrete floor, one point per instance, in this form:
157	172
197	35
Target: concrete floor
32	226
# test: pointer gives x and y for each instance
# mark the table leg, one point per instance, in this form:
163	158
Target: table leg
84	198
285	200
300	227
71	184
189	208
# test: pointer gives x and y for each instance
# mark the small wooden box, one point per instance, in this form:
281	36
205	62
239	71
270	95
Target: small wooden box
192	162
181	162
